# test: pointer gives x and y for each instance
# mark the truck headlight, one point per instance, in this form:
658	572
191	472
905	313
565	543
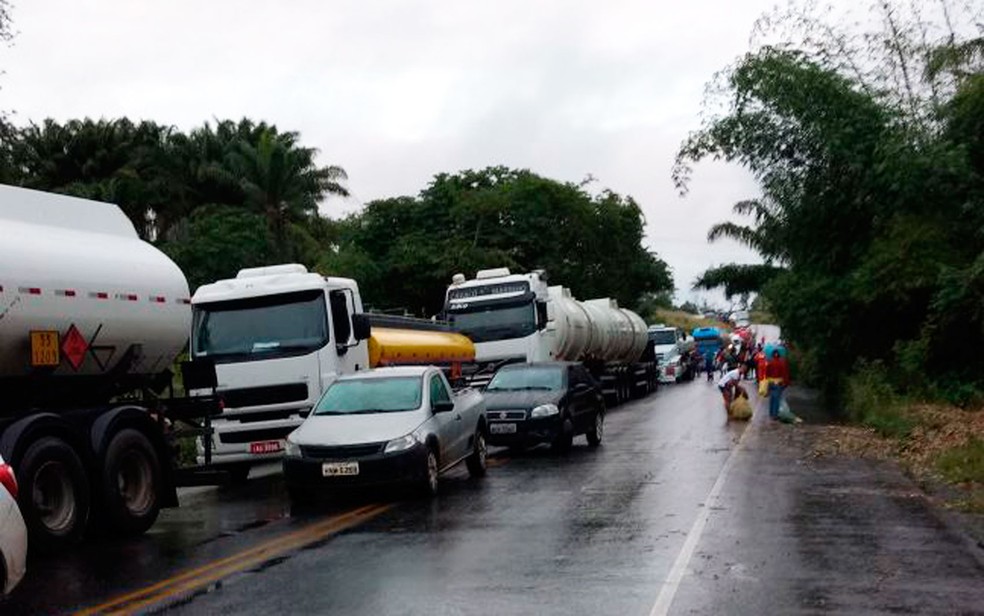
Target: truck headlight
401	444
292	449
544	410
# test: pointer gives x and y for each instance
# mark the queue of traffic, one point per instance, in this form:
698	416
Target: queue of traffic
283	363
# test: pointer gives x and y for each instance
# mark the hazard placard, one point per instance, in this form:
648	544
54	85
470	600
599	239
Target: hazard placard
74	347
44	349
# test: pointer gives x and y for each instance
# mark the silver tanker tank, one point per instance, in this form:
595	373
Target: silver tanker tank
113	307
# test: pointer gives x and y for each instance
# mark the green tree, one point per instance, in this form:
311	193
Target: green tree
219	241
870	217
497	217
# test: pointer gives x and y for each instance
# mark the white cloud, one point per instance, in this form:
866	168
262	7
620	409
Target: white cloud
396	91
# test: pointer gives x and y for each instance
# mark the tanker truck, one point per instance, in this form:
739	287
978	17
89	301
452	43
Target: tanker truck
91	321
279	336
521	318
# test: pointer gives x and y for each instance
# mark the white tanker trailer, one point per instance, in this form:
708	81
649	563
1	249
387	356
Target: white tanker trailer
91	321
519	317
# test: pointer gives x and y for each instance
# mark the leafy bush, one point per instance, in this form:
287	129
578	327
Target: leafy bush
871	400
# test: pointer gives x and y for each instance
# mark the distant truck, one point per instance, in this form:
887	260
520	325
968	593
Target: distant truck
279	337
520	318
91	321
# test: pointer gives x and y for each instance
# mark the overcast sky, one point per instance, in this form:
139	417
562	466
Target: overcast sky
396	92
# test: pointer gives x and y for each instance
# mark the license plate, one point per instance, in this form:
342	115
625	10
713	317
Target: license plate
503	428
336	469
266	447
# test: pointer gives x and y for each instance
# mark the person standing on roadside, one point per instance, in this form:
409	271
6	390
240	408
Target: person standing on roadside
777	371
730	384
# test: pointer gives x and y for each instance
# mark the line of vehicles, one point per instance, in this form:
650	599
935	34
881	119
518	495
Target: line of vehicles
281	363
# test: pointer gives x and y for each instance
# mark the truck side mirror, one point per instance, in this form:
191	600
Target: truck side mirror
361	329
542	315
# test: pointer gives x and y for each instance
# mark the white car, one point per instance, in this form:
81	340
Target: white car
13	532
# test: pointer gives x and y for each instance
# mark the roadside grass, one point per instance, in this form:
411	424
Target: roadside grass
685	320
940	445
964	463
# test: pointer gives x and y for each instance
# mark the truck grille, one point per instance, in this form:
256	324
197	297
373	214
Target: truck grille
335	452
268	394
248	436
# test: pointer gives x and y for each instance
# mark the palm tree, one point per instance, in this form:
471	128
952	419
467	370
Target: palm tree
280	180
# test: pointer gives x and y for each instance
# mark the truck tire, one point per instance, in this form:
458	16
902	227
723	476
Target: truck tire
54	493
131	483
476	462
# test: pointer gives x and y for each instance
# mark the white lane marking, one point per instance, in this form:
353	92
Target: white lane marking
672	582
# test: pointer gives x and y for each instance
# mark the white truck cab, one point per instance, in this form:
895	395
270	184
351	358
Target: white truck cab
279	336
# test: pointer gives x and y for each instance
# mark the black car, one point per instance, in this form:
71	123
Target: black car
548	402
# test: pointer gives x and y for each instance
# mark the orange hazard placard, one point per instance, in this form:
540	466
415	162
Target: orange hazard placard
45	348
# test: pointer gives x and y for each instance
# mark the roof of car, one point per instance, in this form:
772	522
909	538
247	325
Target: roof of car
388	371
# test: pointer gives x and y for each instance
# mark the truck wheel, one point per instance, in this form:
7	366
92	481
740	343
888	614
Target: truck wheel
564	440
597	430
54	493
429	474
477	461
131	483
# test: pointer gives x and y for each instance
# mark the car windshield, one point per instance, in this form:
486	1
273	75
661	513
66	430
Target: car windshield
533	377
494	322
365	396
261	327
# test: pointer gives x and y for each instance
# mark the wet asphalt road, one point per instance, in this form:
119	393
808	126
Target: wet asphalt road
677	512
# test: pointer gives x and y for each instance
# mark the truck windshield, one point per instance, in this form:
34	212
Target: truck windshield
261	327
532	377
494	322
660	338
365	396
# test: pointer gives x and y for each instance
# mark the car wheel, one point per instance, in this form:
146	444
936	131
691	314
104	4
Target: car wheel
54	493
477	461
562	443
429	474
130	483
597	430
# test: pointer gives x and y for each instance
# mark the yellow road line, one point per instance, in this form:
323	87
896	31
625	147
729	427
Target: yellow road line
211	572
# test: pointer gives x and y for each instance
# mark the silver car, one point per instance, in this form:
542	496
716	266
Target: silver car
384	426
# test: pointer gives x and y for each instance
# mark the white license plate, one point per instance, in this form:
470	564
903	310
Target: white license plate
503	428
266	447
337	469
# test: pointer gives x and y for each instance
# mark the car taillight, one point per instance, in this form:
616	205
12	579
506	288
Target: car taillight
8	480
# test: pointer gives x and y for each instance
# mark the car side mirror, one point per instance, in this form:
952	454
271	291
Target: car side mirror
443	406
361	329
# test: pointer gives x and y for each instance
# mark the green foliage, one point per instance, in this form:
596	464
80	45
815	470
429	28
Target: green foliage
963	464
160	176
406	249
872	200
218	242
737	279
870	399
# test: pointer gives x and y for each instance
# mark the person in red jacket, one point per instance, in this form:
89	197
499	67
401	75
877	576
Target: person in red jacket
778	374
